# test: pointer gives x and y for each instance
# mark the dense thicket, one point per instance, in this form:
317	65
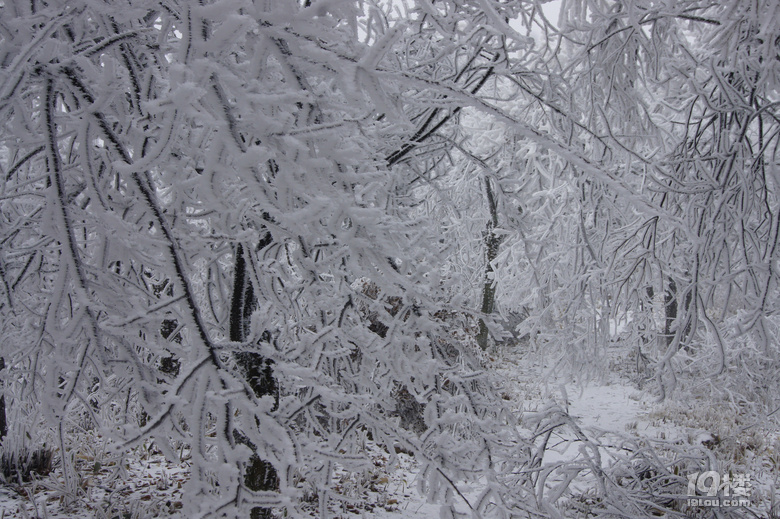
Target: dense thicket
195	197
263	230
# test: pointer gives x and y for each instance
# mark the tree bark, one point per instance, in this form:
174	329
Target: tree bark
3	422
491	251
670	310
259	474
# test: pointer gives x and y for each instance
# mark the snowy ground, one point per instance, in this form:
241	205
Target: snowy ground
147	485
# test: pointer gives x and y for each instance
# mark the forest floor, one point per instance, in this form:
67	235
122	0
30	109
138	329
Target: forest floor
145	484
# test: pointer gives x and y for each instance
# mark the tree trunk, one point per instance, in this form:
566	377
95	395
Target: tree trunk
670	310
3	422
259	475
491	251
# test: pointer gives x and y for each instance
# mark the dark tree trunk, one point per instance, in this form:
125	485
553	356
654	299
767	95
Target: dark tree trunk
492	242
670	310
3	422
489	290
645	307
170	365
688	318
259	475
407	408
674	322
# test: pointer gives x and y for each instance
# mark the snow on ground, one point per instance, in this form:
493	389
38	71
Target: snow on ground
147	485
144	485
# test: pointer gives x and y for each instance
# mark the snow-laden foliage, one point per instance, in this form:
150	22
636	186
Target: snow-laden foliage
701	150
192	195
650	213
264	231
